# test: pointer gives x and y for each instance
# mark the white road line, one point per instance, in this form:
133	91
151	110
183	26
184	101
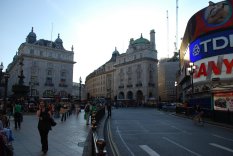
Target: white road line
124	142
177	144
222	147
218	136
180	130
148	150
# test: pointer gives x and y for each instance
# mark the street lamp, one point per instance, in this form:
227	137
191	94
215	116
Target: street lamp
6	77
191	70
176	89
80	86
1	68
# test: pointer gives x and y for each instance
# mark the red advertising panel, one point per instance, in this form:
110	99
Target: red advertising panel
223	101
209	32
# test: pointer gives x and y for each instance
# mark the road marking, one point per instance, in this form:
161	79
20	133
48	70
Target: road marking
177	144
112	143
218	136
148	150
180	130
124	142
222	147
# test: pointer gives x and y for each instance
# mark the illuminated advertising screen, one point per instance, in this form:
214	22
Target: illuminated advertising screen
208	33
211	45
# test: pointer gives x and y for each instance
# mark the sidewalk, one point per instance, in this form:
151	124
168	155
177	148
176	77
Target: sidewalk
66	138
207	120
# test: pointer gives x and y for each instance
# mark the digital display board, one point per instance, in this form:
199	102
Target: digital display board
207	28
214	44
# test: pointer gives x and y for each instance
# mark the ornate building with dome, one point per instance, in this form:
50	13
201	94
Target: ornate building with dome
130	76
47	67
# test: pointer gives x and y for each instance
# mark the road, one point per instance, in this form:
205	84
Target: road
150	132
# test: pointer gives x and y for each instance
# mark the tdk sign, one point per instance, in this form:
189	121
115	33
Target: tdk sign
217	43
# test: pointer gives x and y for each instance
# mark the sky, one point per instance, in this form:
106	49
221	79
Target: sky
94	27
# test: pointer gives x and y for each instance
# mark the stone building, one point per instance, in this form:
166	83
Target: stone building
47	67
167	71
128	76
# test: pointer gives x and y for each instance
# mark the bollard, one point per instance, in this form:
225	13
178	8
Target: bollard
93	121
100	143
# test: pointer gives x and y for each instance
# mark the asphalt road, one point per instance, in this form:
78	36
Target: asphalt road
149	132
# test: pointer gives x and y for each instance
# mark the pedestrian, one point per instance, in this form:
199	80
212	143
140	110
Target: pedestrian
63	113
198	114
44	125
87	114
18	115
109	108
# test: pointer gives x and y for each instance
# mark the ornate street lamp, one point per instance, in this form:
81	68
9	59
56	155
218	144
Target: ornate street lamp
191	70
6	77
176	89
80	86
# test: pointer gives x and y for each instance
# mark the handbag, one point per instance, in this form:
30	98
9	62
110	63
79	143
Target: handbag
52	122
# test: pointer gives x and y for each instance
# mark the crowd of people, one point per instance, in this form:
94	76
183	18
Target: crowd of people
45	112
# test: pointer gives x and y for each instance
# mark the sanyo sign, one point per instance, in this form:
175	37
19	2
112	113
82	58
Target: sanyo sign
211	45
218	66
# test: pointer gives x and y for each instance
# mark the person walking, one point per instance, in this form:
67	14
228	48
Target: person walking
18	115
109	108
87	114
44	125
198	118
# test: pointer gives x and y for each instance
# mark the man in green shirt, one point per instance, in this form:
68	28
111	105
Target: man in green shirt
18	115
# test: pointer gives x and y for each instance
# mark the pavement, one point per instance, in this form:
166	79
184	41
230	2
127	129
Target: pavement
206	120
65	139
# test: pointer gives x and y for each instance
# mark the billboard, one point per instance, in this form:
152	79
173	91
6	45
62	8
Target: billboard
208	33
216	67
223	101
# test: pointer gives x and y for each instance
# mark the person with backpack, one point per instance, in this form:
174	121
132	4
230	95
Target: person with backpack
87	114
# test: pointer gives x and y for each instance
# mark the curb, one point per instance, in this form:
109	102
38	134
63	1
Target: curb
207	121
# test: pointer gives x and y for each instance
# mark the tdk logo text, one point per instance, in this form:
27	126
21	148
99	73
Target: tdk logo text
211	45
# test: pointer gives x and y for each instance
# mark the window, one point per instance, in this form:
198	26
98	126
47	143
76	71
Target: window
50	54
41	53
32	51
63	74
49	72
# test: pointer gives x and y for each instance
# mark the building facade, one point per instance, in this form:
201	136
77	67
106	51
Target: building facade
128	76
47	67
167	71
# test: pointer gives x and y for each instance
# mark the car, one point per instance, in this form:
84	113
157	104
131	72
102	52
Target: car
169	107
32	107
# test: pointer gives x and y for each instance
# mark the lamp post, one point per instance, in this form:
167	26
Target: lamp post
176	89
80	86
6	77
1	68
191	70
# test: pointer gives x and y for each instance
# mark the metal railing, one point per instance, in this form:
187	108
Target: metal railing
98	144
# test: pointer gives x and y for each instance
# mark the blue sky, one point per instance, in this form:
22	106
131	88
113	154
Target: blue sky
93	27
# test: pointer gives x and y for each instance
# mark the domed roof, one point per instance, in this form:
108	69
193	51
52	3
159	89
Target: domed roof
32	34
31	38
141	40
58	40
115	52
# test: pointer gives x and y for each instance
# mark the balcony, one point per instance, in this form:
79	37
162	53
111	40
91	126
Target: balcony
63	85
151	84
121	87
129	85
139	84
49	84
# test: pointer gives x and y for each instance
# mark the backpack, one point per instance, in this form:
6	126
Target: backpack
87	108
